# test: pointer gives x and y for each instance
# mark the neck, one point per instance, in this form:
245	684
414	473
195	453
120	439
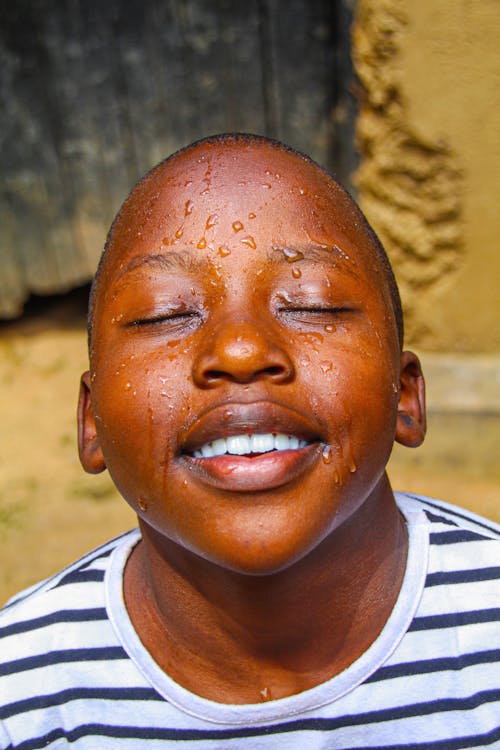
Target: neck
281	633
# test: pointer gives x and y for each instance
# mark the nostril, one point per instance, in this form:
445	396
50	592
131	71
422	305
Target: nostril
276	372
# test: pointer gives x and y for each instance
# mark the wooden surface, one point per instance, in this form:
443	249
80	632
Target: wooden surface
95	93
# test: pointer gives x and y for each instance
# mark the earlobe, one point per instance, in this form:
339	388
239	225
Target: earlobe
89	449
411	419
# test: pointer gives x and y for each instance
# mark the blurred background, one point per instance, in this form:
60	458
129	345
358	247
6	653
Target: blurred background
399	99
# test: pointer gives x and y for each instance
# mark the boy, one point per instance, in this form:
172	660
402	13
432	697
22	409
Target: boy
246	385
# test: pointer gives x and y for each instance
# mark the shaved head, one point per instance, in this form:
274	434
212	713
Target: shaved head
146	192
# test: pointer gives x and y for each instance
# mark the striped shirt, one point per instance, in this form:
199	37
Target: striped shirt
73	670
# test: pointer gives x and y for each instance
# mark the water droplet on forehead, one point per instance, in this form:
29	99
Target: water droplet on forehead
329	328
296	273
251	215
201	244
211	221
188	207
224	250
237	226
179	231
127	386
249	240
290	253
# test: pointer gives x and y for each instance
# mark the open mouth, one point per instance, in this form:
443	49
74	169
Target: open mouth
250	447
248	444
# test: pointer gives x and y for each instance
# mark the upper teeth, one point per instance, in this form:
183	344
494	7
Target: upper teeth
239	445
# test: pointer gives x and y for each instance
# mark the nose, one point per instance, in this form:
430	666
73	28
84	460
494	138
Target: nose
240	352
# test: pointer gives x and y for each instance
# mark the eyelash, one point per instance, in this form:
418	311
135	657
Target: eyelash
320	312
175	319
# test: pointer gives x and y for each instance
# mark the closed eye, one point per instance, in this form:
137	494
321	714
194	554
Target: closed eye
172	321
313	314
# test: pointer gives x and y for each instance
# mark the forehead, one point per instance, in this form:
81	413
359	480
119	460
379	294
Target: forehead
229	184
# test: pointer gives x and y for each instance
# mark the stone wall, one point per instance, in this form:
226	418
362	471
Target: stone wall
429	137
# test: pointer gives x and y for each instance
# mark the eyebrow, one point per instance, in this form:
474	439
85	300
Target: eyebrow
173	260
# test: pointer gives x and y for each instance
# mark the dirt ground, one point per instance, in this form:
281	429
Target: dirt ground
51	512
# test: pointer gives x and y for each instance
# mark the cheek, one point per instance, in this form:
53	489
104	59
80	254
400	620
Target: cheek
141	402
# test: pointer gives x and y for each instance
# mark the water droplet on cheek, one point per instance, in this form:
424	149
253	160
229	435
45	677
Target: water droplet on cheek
252	216
327	454
188	208
296	273
127	386
202	243
329	328
179	232
237	226
142	503
228	413
224	251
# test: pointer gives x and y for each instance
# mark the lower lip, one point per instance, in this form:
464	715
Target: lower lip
253	474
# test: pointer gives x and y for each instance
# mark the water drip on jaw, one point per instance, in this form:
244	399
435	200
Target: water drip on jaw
141	502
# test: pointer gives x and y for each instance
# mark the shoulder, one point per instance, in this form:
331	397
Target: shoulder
75	594
463	564
449	519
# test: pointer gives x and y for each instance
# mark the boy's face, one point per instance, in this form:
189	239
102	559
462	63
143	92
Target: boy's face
241	297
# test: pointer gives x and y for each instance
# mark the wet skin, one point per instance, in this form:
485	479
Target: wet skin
241	295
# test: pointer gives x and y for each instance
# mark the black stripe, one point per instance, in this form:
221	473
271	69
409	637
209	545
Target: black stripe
462	576
63	615
62	657
477	521
439	519
299	725
85	561
82	576
456	537
455	619
442	664
78	693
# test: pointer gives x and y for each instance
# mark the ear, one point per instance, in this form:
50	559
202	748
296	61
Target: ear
89	448
411	421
